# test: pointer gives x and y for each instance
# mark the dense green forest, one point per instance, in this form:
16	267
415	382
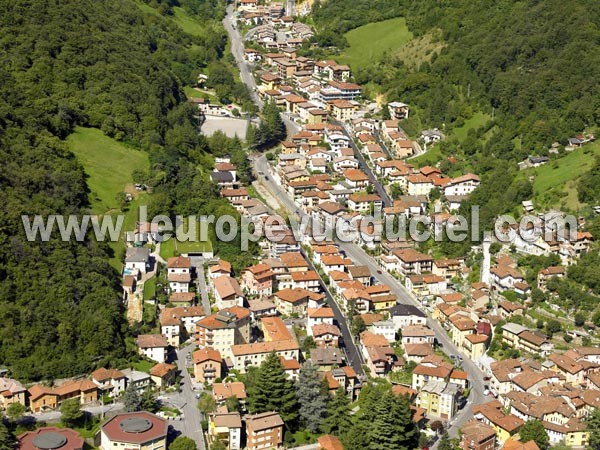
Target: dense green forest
108	65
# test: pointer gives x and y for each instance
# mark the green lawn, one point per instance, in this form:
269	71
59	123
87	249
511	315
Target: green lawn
478	119
108	164
557	179
432	156
143	365
173	247
188	24
150	288
370	42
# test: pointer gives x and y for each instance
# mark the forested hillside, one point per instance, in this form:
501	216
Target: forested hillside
102	64
533	66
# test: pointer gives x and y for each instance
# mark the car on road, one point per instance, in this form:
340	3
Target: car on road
379	271
197	395
266	178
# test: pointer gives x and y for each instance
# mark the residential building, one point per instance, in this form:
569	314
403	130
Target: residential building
179	273
224	329
163	375
227	428
153	346
505	425
228	292
403	315
11	391
139	381
439	399
476	435
137	260
263	431
292	301
109	381
222	391
258	280
207	365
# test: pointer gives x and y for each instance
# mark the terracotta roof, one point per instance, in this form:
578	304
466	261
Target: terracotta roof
206	354
292	295
227	286
323	312
227	420
179	262
369	318
226	390
418	349
40	390
439	372
293	260
399	389
307	275
289	364
222	265
369	339
477	431
264	347
513	444
151	341
355	175
325	328
103	374
329	442
162	369
274	329
263	421
180	277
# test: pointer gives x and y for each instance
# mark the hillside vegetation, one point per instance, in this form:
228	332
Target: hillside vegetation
533	66
369	43
112	66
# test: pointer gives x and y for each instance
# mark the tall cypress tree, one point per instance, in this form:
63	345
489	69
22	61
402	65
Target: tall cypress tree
272	391
406	434
338	420
382	431
310	397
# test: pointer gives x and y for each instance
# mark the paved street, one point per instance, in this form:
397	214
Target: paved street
201	287
54	416
186	402
387	201
353	354
357	255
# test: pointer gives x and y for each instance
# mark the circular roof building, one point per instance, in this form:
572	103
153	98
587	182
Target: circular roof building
50	438
137	428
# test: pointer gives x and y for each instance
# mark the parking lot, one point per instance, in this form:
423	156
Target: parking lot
231	126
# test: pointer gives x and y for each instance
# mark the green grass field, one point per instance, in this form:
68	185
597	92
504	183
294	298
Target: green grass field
432	156
478	119
188	24
370	42
174	247
108	164
555	182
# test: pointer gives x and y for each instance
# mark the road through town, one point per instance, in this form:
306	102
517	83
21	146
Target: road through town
354	252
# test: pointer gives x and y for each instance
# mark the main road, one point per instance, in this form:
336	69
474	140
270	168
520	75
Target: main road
359	257
386	199
354	252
